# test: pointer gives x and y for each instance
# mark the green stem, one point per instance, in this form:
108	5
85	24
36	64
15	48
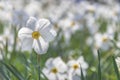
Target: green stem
6	47
38	61
82	75
15	39
99	66
116	68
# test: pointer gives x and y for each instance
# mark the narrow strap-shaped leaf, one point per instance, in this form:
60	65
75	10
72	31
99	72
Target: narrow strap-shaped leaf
28	77
18	73
39	70
99	66
82	75
43	75
3	74
116	68
39	73
14	71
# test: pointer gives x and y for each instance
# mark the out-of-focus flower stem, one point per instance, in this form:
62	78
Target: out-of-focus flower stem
38	65
13	54
15	39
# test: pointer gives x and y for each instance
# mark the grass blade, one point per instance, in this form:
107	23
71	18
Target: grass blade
82	75
99	66
116	68
3	74
43	75
29	76
14	71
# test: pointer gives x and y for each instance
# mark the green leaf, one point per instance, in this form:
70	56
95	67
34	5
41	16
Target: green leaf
28	77
43	75
1	27
4	74
99	66
116	68
82	75
39	69
14	71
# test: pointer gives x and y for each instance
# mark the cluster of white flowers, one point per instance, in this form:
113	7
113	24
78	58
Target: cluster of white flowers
57	69
79	15
78	25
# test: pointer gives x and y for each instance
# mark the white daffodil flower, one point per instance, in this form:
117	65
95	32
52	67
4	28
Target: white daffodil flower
37	34
75	67
103	41
55	69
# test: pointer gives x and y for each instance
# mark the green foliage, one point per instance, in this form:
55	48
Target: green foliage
1	27
25	66
82	76
116	68
14	71
99	67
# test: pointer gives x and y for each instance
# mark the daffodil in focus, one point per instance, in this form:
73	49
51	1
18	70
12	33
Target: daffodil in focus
37	34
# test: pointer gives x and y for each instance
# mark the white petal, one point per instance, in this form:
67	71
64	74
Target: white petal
40	46
75	77
48	35
43	24
77	72
49	75
71	62
62	76
31	23
81	61
25	33
27	44
60	64
49	63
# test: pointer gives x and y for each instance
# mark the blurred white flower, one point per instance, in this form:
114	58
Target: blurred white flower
33	8
37	35
5	10
20	18
75	68
103	41
55	69
68	27
92	26
7	38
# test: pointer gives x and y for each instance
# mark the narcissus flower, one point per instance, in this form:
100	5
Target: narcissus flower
55	69
75	67
37	34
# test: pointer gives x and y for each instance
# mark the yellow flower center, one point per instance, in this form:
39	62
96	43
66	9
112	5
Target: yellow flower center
72	23
104	39
91	10
115	13
55	26
75	66
35	34
54	70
